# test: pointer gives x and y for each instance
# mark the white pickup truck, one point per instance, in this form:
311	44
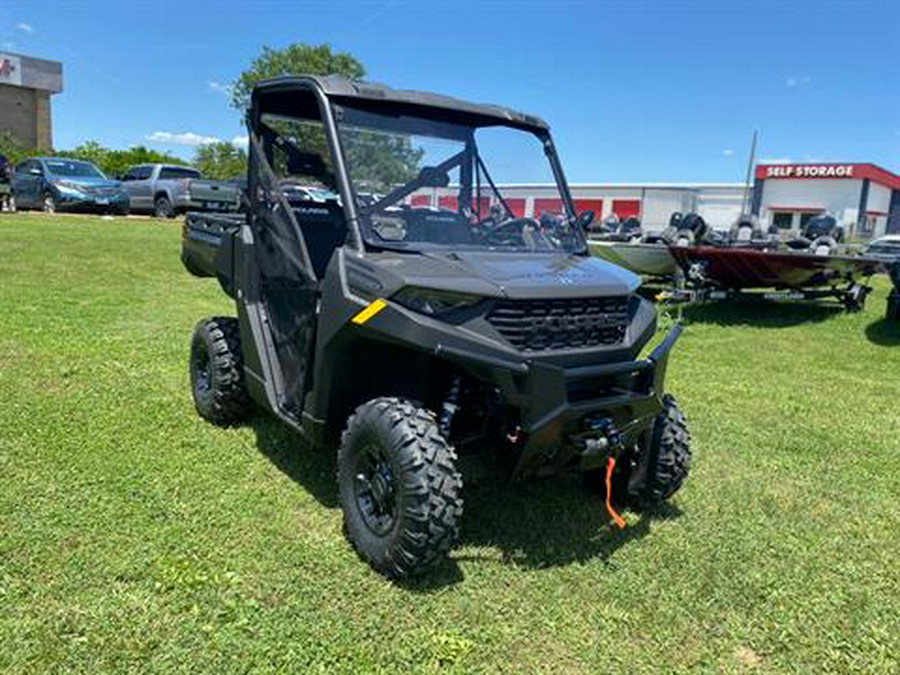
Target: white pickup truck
166	190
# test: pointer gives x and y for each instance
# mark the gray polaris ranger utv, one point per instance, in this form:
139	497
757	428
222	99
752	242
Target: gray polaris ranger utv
411	315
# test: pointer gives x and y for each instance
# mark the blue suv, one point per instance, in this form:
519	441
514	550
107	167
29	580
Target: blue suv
59	183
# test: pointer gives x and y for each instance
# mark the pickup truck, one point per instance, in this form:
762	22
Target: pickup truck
167	190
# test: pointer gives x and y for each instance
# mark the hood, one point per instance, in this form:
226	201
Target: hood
551	275
89	182
513	275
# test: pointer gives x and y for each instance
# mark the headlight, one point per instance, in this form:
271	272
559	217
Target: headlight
433	302
66	186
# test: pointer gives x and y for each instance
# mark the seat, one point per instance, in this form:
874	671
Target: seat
324	230
438	227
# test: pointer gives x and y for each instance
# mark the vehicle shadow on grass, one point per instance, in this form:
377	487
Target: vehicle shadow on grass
884	332
757	312
311	468
538	525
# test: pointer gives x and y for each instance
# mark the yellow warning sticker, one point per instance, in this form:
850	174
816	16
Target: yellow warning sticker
371	310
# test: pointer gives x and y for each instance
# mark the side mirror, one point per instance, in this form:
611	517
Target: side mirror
584	219
35	172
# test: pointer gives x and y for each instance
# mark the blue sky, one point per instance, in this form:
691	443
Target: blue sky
634	91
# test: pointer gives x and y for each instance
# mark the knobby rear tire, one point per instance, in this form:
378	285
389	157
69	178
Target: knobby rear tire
217	372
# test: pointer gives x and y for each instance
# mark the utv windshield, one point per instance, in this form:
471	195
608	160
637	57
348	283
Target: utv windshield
424	184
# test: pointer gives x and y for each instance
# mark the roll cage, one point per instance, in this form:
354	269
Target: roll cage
326	100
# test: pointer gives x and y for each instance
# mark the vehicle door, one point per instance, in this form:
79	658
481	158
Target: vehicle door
26	183
285	282
139	186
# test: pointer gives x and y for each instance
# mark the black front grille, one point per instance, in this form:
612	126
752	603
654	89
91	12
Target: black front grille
538	325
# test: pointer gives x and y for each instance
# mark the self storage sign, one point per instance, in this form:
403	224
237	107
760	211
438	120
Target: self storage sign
809	171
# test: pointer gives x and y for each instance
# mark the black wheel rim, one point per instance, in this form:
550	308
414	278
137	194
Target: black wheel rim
375	487
201	370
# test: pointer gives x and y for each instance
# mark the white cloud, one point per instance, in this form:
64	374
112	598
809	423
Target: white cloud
728	152
794	81
25	27
184	138
242	142
219	88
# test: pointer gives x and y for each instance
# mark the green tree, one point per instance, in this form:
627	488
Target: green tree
221	161
295	59
13	152
116	162
378	162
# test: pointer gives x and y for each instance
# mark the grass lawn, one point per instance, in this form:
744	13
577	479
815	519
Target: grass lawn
134	536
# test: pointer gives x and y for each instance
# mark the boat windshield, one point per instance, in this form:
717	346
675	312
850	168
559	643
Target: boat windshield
423	184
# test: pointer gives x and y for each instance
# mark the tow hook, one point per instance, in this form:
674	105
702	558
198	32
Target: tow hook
611	442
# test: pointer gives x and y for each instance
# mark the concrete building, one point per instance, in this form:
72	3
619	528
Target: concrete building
865	198
26	85
653	203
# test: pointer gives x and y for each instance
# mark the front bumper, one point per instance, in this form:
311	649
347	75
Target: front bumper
91	202
558	407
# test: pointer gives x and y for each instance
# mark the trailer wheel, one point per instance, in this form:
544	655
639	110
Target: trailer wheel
162	207
399	487
217	372
855	298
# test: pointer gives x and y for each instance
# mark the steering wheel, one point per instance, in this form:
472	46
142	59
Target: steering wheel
513	232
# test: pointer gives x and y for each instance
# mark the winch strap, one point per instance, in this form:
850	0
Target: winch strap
616	518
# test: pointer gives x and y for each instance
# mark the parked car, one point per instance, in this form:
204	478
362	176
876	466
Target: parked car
887	246
165	190
58	183
301	192
5	175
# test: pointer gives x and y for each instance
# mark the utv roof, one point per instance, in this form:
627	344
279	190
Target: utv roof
339	87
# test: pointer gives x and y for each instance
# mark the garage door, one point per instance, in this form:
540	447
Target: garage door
595	205
447	202
627	207
482	206
548	205
517	206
